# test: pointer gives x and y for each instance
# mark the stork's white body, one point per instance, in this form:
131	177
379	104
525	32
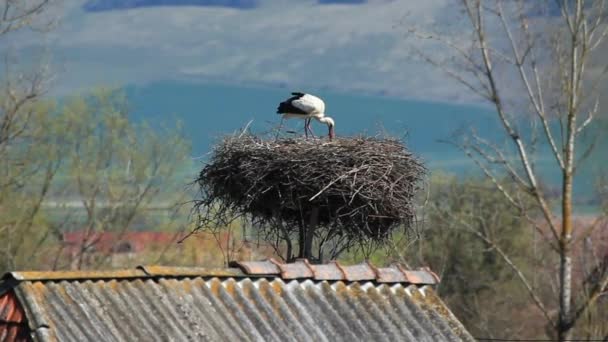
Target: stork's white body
309	104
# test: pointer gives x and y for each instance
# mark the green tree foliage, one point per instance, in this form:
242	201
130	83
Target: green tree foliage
29	161
84	165
28	156
474	277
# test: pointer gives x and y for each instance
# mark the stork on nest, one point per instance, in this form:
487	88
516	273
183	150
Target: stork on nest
306	107
338	193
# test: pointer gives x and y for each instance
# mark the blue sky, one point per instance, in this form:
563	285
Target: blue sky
344	45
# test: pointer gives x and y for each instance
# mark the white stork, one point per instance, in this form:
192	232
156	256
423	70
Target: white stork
307	107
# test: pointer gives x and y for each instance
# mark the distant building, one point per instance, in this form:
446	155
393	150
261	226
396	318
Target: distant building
123	249
119	247
262	301
107	242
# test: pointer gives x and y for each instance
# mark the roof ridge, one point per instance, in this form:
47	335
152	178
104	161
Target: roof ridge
137	272
365	271
300	269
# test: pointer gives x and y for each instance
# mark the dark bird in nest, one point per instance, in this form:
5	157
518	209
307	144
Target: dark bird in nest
306	107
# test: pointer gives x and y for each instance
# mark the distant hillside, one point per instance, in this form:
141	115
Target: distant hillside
212	110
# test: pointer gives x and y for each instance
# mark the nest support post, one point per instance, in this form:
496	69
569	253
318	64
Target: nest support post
307	234
284	233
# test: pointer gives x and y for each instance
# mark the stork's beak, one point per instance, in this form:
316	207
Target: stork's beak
332	134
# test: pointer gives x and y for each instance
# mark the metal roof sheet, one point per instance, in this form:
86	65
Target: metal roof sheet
229	304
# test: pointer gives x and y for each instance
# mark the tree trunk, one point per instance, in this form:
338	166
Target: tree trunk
565	324
301	239
286	237
310	233
565	265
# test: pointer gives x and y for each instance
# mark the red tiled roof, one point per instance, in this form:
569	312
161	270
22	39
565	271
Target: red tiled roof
106	242
13	324
302	269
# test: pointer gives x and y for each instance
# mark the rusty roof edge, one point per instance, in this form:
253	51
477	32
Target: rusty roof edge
374	269
433	274
425	275
141	271
168	271
288	271
441	307
72	275
308	265
414	278
341	268
36	318
263	267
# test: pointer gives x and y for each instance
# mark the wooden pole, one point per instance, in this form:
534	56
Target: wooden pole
310	233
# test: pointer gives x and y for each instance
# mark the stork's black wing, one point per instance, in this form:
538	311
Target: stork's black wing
287	107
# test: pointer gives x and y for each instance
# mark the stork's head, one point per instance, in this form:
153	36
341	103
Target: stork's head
330	125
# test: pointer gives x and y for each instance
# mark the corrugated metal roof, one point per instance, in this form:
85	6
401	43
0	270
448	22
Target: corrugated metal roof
179	304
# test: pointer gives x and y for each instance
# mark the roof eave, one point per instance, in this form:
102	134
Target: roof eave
139	272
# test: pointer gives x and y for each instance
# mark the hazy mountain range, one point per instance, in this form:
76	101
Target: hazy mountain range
351	46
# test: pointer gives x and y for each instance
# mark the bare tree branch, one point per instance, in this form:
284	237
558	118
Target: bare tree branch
522	278
535	99
501	159
590	117
558	87
19	14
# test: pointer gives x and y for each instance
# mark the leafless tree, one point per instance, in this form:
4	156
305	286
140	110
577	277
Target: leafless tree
21	145
19	91
84	158
119	171
536	64
19	14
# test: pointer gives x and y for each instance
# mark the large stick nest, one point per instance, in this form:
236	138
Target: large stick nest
363	186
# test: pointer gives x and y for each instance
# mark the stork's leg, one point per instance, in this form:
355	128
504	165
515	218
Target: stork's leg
310	128
280	127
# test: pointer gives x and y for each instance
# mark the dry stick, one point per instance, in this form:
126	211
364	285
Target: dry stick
333	182
245	128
